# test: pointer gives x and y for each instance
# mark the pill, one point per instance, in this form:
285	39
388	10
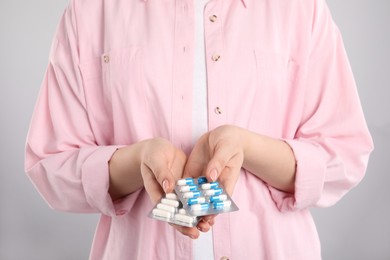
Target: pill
198	200
165	207
182	211
170	202
186	181
211	192
191	194
202	180
161	213
184	218
203	206
218	198
222	204
171	196
211	185
187	188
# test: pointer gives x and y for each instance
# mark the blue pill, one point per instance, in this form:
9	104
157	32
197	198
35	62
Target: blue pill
187	188
202	180
218	198
222	205
198	200
191	194
217	191
211	185
186	181
203	206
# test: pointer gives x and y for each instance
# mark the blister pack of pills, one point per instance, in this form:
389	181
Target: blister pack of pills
171	210
192	199
200	197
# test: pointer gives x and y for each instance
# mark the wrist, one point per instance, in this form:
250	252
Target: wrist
252	146
124	171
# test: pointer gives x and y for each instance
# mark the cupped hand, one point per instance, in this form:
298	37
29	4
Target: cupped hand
162	164
218	155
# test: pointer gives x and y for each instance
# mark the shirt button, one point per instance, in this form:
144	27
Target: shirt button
216	57
224	258
218	110
213	18
106	59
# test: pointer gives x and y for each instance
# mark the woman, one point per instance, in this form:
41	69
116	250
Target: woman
124	112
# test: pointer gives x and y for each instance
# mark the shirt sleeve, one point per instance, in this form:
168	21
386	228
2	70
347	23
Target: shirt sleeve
62	158
332	144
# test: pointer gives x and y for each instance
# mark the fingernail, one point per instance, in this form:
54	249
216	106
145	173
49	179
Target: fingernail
165	185
213	175
193	236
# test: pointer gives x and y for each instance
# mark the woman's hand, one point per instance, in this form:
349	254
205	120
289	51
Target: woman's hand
218	154
155	164
161	165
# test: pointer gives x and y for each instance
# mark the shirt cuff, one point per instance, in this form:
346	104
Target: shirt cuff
309	177
95	179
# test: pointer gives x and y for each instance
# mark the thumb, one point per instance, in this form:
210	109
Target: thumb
213	174
219	162
166	180
216	164
157	182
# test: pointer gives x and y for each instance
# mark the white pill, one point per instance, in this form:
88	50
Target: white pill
184	218
161	213
170	202
182	211
166	207
171	196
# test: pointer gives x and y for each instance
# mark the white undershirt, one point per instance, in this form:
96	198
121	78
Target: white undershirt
203	246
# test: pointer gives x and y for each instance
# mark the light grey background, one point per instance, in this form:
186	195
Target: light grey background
356	228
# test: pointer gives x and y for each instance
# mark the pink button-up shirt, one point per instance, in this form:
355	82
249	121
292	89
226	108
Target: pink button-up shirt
122	71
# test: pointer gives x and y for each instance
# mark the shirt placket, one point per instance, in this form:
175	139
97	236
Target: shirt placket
215	64
217	112
181	125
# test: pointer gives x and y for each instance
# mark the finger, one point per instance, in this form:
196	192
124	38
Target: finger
187	231
194	167
220	159
178	165
211	222
198	159
228	179
210	219
151	185
196	164
161	173
203	226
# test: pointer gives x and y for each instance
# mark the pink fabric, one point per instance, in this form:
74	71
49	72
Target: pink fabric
121	71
